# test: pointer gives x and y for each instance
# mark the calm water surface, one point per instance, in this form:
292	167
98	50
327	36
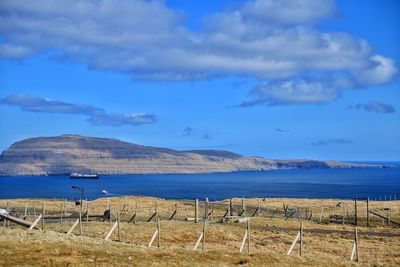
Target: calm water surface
316	183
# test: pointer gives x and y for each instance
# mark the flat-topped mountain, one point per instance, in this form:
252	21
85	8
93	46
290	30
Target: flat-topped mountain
74	153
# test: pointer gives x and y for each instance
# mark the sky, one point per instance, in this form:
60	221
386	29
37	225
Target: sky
315	79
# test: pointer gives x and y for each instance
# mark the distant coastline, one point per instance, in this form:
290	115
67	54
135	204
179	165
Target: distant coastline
66	154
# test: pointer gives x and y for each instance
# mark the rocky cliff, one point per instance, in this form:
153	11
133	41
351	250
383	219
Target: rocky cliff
73	153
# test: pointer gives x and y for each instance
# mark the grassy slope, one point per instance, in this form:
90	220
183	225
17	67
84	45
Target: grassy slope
54	248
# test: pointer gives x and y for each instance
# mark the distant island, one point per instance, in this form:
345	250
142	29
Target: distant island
66	154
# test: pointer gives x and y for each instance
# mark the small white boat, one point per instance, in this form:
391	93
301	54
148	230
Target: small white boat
75	175
104	192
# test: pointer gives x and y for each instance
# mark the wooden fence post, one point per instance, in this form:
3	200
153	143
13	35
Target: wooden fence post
368	212
321	215
206	209
301	239
248	236
73	226
80	218
87	212
156	212
354	252
65	208
111	230
204	235
243	208
230	207
196	210
174	213
26	210
355	212
201	237
34	223
157	232
43	214
119	228
61	213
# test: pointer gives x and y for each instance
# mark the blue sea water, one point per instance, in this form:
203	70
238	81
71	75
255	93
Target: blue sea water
309	183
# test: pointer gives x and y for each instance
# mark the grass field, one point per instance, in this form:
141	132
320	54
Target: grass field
52	247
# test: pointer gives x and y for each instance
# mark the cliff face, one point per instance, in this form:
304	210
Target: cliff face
73	153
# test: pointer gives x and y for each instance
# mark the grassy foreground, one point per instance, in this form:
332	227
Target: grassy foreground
52	247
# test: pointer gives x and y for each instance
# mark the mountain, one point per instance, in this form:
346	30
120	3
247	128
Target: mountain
74	153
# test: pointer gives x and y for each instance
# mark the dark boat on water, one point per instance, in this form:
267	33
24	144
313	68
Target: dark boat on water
83	176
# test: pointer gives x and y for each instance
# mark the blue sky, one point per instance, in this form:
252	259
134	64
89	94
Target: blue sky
280	79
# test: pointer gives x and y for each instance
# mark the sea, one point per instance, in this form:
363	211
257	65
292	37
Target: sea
377	184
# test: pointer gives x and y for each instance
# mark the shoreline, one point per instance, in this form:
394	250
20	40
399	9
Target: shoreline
361	166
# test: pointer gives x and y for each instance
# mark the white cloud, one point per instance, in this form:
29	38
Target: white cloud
289	11
265	39
383	70
375	106
292	92
96	116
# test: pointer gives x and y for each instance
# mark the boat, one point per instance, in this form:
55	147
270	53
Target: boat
76	175
104	192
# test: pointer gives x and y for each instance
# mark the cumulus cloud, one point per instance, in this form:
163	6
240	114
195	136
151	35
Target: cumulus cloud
376	106
96	116
270	40
292	92
334	141
300	11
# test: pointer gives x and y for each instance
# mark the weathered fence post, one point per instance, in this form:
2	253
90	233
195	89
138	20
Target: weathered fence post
355	212
204	235
230	207
26	210
201	237
87	212
354	252
196	210
206	209
368	212
173	216
301	239
43	215
61	213
136	210
73	227
119	229
321	215
80	218
248	236
157	232
245	237
243	208
109	215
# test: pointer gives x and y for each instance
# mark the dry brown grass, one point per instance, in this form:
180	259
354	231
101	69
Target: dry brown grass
53	247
